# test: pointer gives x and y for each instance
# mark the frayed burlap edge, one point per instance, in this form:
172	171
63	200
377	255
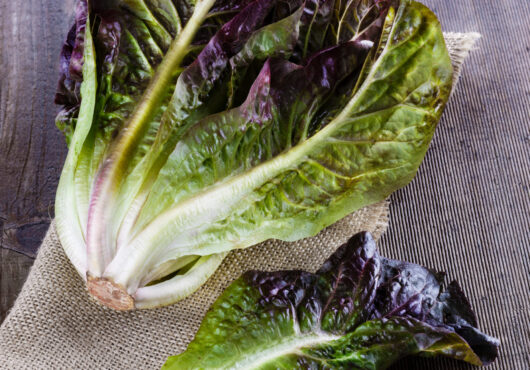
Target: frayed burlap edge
55	325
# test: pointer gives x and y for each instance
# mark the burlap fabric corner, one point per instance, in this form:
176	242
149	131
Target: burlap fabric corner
55	325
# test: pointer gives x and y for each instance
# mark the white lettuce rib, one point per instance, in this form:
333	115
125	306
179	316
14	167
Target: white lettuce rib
179	286
284	347
67	218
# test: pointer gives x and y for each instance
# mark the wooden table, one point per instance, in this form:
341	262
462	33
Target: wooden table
32	150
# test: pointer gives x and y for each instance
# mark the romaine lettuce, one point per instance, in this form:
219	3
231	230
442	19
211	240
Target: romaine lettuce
359	311
197	127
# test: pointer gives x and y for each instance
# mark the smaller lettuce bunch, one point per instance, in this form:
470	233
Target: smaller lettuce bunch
359	311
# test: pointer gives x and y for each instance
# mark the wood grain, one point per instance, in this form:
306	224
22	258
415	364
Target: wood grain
13	272
31	149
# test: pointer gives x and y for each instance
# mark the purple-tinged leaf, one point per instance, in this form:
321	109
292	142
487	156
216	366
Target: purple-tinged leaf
295	319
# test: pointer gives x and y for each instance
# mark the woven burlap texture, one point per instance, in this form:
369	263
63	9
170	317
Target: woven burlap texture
55	325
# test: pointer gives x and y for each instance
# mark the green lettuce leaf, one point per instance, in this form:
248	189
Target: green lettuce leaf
197	127
359	311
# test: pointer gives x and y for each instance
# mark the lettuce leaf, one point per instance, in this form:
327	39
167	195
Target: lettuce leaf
197	127
359	311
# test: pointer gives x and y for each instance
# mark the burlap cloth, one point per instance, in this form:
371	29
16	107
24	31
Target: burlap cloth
55	325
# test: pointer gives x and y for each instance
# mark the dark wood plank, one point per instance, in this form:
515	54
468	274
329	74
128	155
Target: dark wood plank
31	149
14	268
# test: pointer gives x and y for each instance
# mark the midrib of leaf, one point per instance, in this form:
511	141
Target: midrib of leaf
308	34
285	346
155	91
341	20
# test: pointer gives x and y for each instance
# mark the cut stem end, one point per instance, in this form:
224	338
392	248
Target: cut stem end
110	294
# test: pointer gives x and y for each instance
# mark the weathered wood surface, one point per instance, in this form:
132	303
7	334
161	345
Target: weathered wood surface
31	149
13	271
